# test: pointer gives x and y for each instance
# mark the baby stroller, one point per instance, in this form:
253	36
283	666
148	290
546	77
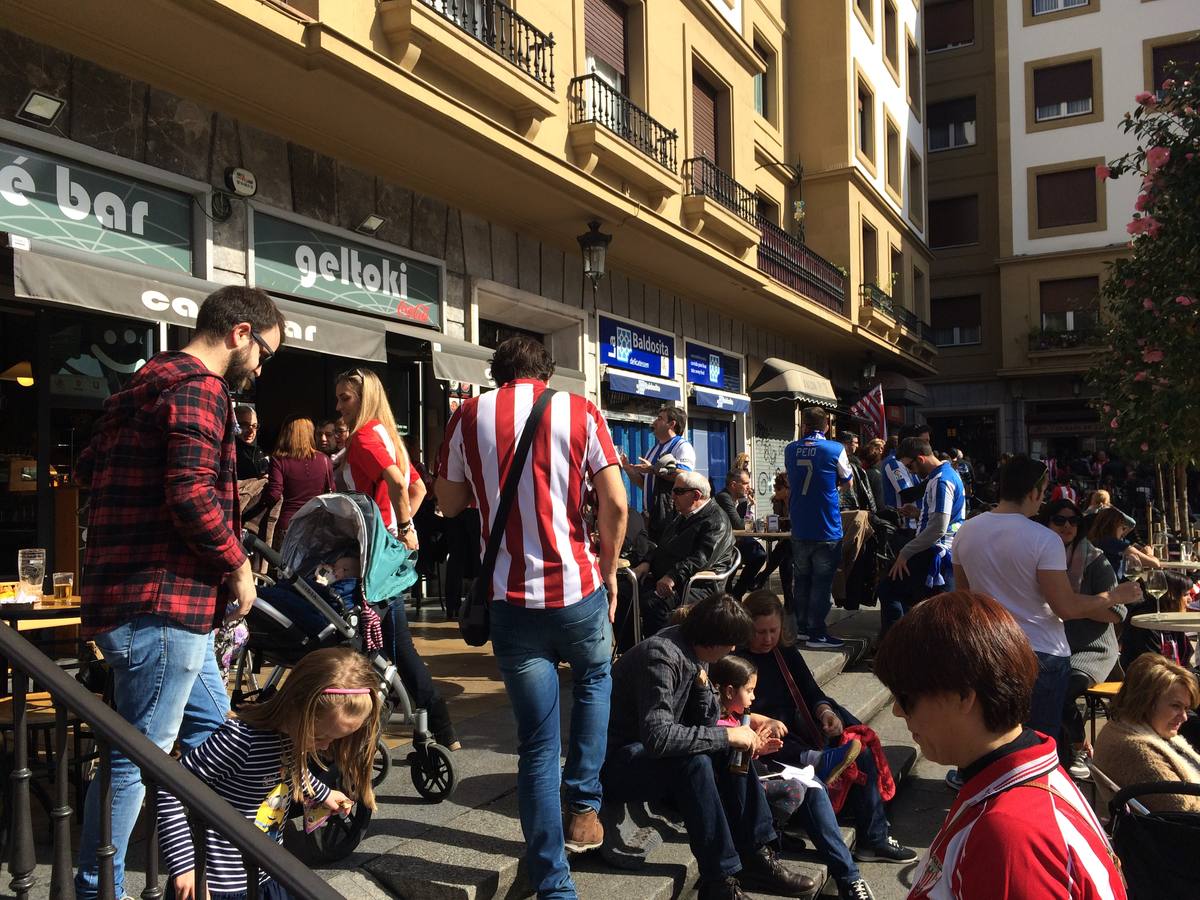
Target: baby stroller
1155	848
327	526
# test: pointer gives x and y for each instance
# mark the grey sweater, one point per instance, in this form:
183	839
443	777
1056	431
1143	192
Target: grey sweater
660	700
1094	649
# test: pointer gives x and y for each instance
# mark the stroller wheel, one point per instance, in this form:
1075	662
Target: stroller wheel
340	835
432	772
381	764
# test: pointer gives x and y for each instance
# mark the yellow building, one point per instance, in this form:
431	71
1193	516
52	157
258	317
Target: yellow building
421	170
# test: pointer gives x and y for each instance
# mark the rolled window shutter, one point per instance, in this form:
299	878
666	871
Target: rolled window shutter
1066	198
948	312
1069	295
704	118
1175	60
604	32
950	24
1062	84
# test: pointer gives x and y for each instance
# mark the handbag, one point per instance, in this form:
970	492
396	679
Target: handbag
475	620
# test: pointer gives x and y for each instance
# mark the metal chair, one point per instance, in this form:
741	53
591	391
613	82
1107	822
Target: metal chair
716	581
634	609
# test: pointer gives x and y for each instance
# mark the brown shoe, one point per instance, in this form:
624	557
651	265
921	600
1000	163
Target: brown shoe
582	831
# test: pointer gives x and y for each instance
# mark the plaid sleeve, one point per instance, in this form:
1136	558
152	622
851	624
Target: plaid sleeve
196	414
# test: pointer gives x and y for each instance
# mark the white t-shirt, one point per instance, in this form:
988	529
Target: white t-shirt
1002	554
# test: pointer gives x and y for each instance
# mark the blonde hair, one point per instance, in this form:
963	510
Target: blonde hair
301	703
1149	677
1099	498
373	405
297	439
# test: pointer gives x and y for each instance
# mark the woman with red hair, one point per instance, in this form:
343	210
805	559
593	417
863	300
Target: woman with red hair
962	673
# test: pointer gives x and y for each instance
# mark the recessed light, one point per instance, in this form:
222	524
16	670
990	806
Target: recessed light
41	109
371	224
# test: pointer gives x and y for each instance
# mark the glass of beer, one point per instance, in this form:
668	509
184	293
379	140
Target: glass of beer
64	586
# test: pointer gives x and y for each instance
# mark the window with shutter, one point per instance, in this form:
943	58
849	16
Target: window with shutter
604	33
1061	91
954	221
1066	198
704	119
1172	60
951	124
956	320
1070	304
866	122
950	24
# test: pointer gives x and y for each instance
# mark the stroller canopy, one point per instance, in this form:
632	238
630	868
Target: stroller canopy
330	521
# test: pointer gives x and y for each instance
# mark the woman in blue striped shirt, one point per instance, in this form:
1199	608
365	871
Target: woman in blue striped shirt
327	708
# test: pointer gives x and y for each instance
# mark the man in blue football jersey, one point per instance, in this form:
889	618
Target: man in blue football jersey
816	468
923	566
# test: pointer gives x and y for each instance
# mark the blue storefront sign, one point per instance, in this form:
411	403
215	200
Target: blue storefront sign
635	348
645	386
712	368
722	400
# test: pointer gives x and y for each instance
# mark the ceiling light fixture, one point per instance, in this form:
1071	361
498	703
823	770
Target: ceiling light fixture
41	109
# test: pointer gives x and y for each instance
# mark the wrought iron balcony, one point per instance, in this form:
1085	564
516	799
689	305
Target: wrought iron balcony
702	178
908	319
1075	339
789	261
592	99
927	333
877	298
500	27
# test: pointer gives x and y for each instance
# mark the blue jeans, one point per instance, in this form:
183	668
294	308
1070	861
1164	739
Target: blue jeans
529	644
820	821
726	814
814	563
1049	694
167	685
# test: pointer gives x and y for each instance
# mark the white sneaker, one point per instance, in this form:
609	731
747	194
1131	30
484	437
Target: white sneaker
1079	768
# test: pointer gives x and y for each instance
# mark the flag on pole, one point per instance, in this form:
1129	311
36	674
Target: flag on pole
870	407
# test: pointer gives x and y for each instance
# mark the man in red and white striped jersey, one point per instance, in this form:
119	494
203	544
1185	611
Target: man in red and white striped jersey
553	594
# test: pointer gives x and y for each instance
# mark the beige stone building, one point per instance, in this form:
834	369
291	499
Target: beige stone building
409	177
1024	100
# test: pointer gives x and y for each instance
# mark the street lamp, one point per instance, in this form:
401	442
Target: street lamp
594	245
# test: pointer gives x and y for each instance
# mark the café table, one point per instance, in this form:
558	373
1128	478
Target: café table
40	615
1185	622
764	535
1177	566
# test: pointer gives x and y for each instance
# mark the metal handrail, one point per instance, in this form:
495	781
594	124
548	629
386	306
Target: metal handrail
592	99
702	177
208	809
790	261
877	298
501	28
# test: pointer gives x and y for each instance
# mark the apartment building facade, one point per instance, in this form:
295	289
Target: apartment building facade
409	178
1025	99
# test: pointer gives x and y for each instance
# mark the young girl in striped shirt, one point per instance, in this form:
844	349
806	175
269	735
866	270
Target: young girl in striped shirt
327	708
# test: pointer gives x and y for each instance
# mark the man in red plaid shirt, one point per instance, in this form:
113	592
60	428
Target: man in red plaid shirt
164	563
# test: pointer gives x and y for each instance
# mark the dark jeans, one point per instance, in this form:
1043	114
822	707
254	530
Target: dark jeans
656	611
1045	707
814	563
898	595
817	817
1077	685
726	814
754	557
781	558
398	647
863	801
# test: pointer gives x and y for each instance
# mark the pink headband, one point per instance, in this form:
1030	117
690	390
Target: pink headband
347	691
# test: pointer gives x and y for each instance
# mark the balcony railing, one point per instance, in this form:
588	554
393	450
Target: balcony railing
75	707
1046	339
789	261
927	333
908	319
702	178
877	298
500	27
592	99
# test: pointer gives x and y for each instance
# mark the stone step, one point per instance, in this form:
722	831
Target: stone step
860	693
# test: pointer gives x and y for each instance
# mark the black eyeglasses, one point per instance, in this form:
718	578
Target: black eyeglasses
682	490
1065	520
265	353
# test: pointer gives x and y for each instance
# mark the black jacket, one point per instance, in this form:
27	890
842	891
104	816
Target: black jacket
251	462
725	500
690	544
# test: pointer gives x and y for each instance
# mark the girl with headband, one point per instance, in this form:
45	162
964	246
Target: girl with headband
327	709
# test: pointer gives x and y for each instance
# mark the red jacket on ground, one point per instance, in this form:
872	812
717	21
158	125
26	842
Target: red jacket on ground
1020	829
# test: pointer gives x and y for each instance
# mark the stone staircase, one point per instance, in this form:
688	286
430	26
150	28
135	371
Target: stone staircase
470	848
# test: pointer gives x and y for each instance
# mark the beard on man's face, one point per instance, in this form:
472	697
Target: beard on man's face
239	375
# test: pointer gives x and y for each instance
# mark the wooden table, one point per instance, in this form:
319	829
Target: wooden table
1176	565
764	535
45	613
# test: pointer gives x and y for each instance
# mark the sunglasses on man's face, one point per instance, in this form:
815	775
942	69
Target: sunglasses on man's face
682	490
265	353
1065	520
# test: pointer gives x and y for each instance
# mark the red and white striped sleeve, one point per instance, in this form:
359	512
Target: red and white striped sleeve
601	452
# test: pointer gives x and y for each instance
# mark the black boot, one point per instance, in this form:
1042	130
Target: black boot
725	888
762	871
440	724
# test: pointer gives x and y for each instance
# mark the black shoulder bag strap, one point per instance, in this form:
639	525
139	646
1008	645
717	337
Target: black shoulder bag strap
474	622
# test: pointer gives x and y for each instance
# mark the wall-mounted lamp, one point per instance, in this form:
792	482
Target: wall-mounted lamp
868	370
21	373
594	245
40	109
371	224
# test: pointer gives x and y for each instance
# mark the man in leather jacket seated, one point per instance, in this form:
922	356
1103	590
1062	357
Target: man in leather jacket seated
698	538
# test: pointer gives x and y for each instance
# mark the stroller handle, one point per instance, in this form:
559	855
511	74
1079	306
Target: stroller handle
254	544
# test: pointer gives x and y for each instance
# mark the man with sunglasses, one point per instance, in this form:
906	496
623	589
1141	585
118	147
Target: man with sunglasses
164	563
1023	565
698	537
